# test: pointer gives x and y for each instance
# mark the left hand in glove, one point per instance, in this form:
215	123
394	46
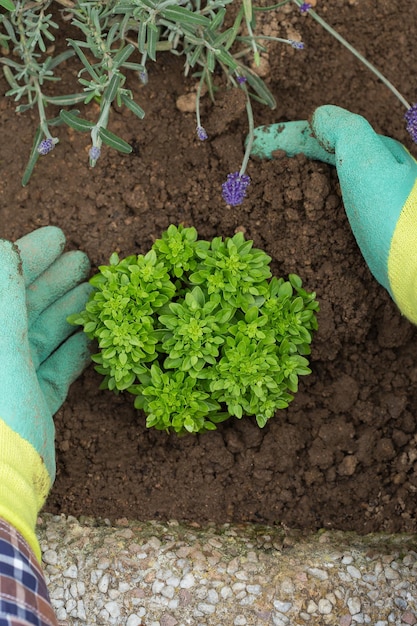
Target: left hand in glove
40	356
378	179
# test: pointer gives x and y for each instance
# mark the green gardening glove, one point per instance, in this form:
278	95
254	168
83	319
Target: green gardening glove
378	182
40	356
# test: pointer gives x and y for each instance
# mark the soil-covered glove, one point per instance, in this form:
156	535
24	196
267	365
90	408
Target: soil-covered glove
378	182
40	356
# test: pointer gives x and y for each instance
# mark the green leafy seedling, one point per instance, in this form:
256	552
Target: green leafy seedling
199	331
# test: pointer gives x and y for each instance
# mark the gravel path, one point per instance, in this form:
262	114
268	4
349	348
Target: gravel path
155	574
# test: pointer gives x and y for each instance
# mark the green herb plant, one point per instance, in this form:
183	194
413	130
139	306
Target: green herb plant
199	331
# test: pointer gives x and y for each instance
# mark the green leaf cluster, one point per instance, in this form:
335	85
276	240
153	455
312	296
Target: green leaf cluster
199	331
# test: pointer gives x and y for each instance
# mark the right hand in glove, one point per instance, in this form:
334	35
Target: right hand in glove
378	182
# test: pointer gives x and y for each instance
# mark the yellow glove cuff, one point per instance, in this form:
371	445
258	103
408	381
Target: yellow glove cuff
24	484
402	259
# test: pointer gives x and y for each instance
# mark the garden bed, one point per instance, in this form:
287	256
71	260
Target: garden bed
343	454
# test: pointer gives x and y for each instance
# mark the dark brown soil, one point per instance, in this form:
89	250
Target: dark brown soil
343	455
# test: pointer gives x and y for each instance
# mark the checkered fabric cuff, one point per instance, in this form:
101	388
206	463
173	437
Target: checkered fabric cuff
24	597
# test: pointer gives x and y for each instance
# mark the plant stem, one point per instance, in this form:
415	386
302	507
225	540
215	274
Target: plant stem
197	105
250	133
357	54
41	110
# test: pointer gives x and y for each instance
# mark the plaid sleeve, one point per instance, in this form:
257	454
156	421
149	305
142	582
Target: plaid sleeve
24	597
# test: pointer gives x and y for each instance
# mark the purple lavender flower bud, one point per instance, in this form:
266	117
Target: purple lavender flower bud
411	119
241	79
305	7
201	133
45	146
234	189
296	44
94	153
143	76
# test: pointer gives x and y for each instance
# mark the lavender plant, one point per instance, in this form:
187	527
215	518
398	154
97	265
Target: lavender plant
198	331
117	40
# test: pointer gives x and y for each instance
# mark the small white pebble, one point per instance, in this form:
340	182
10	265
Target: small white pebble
401	603
287	587
320	574
80	587
305	616
113	609
240	620
312	607
57	593
81	614
61	614
50	557
373	594
233	566
282	607
324	606
390	573
212	596
103	563
95	576
354	605
168	591
104	616
353	571
226	592
254	589
155	543
103	584
157	586
71	572
133	620
187	581
205	608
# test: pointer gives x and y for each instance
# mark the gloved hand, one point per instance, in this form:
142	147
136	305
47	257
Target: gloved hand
40	356
378	182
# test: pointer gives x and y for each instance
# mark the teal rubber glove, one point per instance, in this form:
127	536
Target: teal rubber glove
40	356
378	182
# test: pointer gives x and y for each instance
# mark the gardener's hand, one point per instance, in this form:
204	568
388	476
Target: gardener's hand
40	356
378	182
